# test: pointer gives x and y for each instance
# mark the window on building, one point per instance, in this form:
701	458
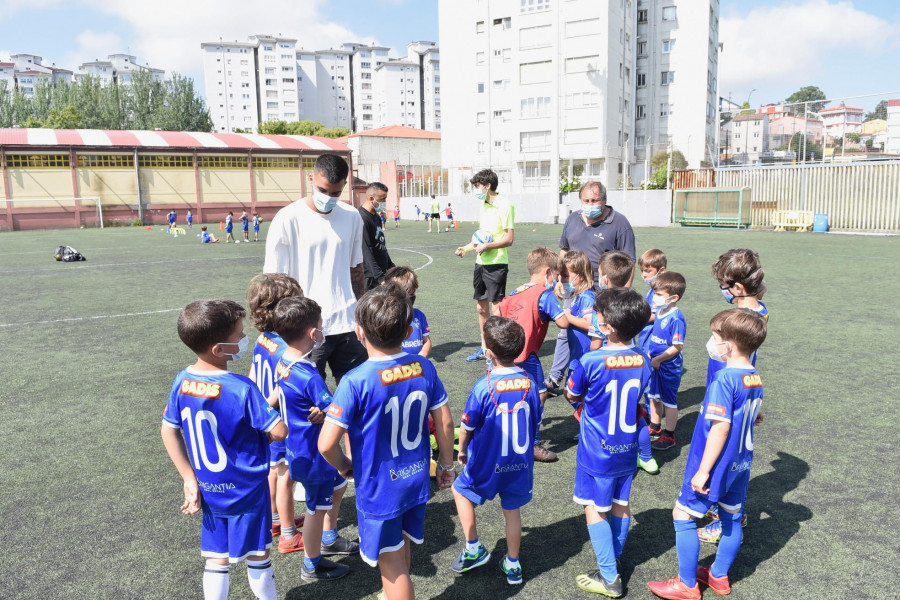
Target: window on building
479	87
667	46
38	161
640	141
535	37
479	27
640	111
667	77
223	162
668	13
166	161
642	16
479	118
503	23
582	27
479	58
641	79
481	147
534	140
666	109
118	161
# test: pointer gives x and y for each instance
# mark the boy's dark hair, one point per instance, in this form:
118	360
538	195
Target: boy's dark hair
385	313
203	228
294	316
616	266
263	294
541	258
654	257
204	323
504	337
375	186
230	213
743	327
485	177
333	167
740	265
624	310
403	277
670	282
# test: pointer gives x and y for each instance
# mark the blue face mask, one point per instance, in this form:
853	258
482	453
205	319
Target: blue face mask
729	297
592	211
481	194
570	289
549	285
324	203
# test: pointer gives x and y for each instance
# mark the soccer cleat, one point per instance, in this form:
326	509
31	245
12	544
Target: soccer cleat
552	386
514	575
674	589
712	533
340	546
466	561
712	512
655	432
295	544
719	585
478	355
541	454
326	570
298	523
664	442
650	466
595	583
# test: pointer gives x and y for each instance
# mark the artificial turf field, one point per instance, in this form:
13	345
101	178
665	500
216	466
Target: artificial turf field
89	500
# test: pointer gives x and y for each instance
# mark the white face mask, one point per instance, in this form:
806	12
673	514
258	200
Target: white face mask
324	203
316	343
242	345
481	194
659	302
712	348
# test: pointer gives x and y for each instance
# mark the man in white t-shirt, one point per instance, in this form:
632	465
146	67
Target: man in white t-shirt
318	241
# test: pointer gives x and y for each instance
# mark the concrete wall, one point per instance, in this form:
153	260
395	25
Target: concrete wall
643	208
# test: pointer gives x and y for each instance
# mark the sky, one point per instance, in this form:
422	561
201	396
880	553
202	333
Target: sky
771	48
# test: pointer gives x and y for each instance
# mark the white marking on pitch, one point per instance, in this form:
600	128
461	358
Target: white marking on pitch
430	259
137	314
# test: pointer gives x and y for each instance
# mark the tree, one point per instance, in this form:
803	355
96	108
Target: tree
63	118
796	144
853	137
335	132
273	128
661	159
810	94
182	109
880	111
6	113
30	123
305	128
745	108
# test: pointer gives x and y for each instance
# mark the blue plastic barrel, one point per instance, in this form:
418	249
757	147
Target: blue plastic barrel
820	223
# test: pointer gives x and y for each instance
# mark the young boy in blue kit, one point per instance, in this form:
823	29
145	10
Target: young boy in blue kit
206	237
216	429
651	263
263	294
173	217
666	343
419	339
533	305
229	227
303	398
718	465
499	426
245	226
384	405
256	222
610	382
190	219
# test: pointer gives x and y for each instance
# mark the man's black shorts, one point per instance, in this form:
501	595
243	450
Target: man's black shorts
436	216
489	282
342	352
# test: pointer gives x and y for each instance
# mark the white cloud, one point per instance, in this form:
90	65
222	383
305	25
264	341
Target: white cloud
168	33
793	43
91	45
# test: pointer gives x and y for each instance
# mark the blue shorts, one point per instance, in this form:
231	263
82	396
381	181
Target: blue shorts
508	501
320	496
236	537
532	366
245	228
697	504
377	537
228	229
601	492
277	454
664	387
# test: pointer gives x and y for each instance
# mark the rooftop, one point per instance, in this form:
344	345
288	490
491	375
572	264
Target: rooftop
395	131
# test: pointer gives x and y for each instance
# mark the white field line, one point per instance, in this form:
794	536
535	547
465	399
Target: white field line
430	259
136	314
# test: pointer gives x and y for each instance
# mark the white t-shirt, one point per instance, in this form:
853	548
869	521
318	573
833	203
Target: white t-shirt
318	251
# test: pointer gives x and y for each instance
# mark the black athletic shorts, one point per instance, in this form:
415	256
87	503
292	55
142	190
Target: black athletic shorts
489	282
436	216
342	352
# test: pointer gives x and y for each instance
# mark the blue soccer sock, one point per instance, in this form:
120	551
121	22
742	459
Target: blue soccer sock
311	563
329	536
619	526
688	546
602	540
729	544
644	443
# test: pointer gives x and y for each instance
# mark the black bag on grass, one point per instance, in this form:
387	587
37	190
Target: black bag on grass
68	254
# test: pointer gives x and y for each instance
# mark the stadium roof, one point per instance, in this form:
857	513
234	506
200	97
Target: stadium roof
181	140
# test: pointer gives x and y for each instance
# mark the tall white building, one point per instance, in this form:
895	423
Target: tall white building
539	88
118	68
337	87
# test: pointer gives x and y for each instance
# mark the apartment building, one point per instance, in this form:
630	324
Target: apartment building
586	88
337	87
118	68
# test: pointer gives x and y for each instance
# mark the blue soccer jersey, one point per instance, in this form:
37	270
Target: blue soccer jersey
668	330
229	222
245	223
256	224
416	340
300	388
384	404
224	420
735	396
266	353
579	339
190	218
612	381
714	366
172	217
205	237
504	412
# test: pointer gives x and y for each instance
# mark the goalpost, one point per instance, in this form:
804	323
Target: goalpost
64	206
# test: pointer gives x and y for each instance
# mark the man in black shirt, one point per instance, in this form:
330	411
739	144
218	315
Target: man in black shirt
375	255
